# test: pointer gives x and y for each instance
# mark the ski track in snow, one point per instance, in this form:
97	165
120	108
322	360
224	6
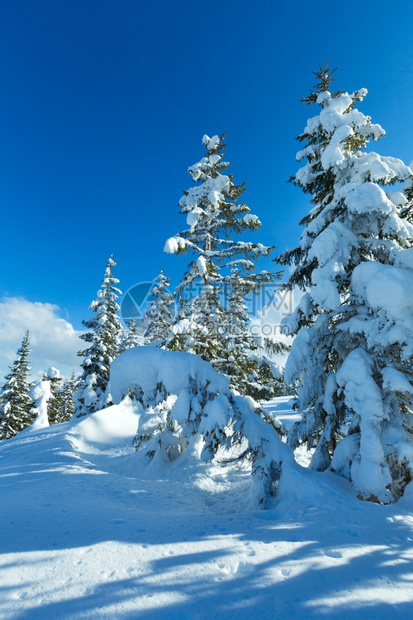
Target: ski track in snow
86	533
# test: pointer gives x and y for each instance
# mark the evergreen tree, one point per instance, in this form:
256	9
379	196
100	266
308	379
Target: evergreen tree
353	220
220	267
244	355
16	403
186	405
131	337
55	404
406	201
42	396
158	316
103	337
67	408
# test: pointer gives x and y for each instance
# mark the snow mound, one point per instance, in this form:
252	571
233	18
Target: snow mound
114	426
186	406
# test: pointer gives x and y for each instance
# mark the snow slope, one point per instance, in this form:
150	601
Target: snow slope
88	532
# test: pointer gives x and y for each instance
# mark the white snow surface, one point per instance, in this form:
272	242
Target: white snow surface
88	533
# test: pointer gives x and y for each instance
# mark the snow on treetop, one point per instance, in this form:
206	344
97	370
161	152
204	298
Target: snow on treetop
53	373
211	143
338	112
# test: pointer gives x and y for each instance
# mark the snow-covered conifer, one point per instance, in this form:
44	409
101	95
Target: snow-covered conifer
42	396
246	357
406	198
131	337
158	316
185	405
67	408
353	220
55	403
16	403
221	267
376	380
103	336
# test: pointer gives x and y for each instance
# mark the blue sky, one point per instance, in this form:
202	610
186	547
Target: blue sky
103	105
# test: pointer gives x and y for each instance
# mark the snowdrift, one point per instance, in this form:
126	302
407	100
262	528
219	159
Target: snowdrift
185	404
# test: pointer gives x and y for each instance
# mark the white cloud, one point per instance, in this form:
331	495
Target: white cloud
53	340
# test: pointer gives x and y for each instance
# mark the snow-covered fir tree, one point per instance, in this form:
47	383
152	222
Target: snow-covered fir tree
220	266
246	356
67	408
407	198
131	336
55	403
376	380
338	356
158	315
42	396
103	337
16	403
186	406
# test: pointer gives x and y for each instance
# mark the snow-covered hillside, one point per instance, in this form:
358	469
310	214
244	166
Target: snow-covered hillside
88	532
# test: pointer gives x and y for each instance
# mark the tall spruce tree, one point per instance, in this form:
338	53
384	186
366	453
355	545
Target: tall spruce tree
158	316
104	339
353	221
220	266
16	403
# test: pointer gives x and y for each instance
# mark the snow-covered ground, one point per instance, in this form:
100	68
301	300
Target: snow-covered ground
86	532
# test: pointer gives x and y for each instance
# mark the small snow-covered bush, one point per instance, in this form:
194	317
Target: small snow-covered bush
184	400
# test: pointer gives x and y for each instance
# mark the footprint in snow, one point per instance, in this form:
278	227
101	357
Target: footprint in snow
236	569
333	554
